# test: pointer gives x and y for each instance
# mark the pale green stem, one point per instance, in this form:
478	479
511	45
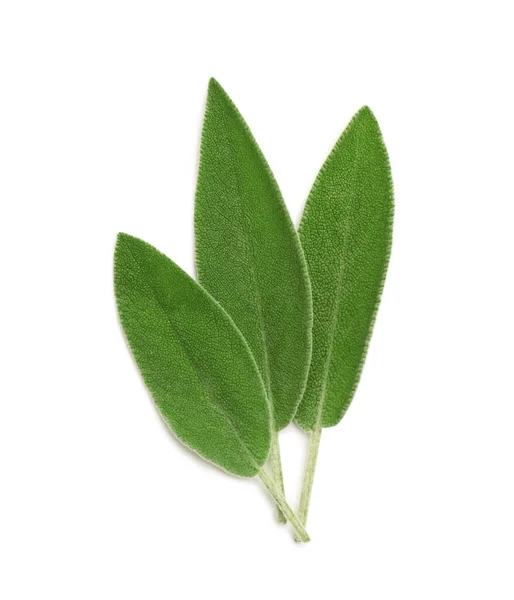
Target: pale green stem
299	530
308	476
276	470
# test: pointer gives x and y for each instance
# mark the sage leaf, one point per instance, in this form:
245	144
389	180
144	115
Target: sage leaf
249	258
346	234
193	360
248	255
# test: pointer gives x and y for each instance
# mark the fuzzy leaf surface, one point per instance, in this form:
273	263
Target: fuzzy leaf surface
248	255
194	361
346	233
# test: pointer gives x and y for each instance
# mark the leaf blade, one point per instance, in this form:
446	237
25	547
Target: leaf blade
346	234
194	361
248	254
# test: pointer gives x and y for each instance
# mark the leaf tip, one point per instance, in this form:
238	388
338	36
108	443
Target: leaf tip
214	87
365	119
217	93
122	238
124	243
366	113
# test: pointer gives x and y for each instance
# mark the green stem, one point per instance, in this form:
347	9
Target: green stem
299	530
308	477
276	470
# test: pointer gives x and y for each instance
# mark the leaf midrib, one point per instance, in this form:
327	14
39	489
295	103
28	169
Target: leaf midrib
337	308
255	281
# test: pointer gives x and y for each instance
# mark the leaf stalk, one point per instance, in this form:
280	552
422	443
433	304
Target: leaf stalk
308	477
276	470
299	530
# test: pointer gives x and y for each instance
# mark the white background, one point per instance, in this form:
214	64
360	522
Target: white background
100	113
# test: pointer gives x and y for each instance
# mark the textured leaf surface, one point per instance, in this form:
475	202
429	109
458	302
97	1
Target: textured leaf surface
346	233
248	254
194	361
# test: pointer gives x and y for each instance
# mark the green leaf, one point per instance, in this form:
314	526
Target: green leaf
346	233
248	254
194	361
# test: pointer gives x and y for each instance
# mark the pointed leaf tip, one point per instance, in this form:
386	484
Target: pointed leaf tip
367	116
215	89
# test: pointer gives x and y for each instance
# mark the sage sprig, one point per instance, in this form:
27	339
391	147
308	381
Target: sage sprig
346	234
278	325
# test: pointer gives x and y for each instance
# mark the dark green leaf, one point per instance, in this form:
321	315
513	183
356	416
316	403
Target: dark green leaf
194	361
248	254
346	233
